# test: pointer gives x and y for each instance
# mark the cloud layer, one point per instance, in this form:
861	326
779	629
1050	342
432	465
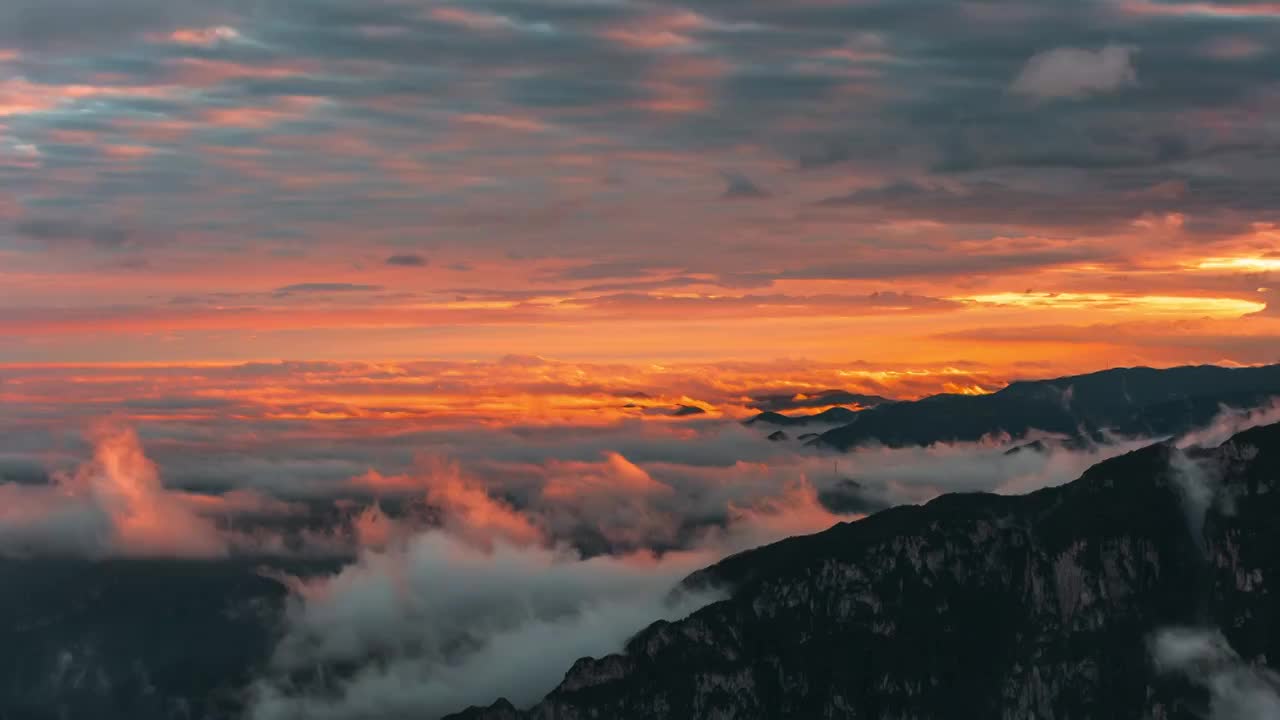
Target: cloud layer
437	625
370	180
453	532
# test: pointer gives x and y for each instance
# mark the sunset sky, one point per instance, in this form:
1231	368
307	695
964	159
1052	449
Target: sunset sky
1006	189
446	315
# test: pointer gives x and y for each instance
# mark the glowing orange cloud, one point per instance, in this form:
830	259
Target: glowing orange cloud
204	37
144	518
1147	305
471	513
796	511
617	475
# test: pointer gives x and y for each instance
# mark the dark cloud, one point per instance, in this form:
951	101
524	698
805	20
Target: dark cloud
848	497
72	24
23	472
896	93
57	230
319	288
741	187
407	260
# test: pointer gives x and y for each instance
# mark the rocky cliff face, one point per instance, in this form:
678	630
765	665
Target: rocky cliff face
973	606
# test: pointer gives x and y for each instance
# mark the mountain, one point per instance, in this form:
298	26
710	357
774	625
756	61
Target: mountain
979	606
831	416
132	638
1128	401
824	398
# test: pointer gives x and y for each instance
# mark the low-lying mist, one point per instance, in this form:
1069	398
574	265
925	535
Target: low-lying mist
474	564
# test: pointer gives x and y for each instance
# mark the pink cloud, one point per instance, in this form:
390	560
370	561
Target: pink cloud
114	504
203	37
617	475
126	152
18	96
280	110
663	31
682	85
472	514
146	519
471	20
1232	10
517	123
203	72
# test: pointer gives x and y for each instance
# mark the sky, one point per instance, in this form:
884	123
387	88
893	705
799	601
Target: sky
1009	189
465	294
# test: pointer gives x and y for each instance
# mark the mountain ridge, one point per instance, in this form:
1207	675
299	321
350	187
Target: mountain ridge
830	416
972	605
1137	401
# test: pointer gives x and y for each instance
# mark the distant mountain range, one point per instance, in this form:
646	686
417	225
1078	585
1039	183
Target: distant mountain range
1139	402
831	416
1043	606
777	402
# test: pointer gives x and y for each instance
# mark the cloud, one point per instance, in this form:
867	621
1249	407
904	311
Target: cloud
607	270
460	614
319	288
336	456
1198	488
1198	480
470	513
741	187
112	505
437	625
492	602
1229	422
106	236
75	24
1238	690
241	127
407	260
483	575
1073	72
640	305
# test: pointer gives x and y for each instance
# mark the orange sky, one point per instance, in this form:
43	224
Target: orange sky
787	186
